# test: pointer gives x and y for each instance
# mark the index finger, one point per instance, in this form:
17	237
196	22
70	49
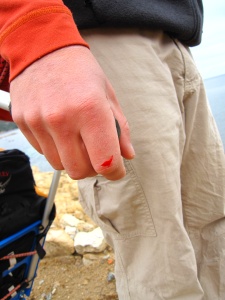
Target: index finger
102	144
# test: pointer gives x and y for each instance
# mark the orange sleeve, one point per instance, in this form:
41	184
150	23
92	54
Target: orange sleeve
30	29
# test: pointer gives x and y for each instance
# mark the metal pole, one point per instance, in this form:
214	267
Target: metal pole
47	211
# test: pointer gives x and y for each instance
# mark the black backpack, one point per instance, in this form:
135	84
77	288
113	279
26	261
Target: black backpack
20	205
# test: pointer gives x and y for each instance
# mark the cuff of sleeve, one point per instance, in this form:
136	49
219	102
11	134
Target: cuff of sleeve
36	34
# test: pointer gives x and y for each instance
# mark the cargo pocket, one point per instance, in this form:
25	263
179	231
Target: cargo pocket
118	207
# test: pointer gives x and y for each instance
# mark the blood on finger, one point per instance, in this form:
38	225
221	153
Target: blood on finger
107	163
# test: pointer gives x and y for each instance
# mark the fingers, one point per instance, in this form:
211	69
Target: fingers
65	148
34	129
65	145
73	155
62	148
29	136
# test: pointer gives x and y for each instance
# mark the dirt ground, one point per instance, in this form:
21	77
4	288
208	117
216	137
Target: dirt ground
66	277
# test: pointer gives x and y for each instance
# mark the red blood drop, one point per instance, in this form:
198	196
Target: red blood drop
107	163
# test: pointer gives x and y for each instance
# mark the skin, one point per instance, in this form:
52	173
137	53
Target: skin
66	107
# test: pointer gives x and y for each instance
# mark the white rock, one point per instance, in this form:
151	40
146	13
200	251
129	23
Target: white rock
58	242
90	242
85	227
72	231
69	220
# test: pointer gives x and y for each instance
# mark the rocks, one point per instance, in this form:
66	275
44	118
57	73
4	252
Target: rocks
58	243
72	231
48	296
90	242
90	258
111	276
70	221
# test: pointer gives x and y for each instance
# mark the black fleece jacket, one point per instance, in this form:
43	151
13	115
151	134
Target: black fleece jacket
182	19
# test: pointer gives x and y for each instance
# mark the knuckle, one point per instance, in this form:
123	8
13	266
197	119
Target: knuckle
88	106
76	175
17	115
105	170
54	119
57	166
113	174
54	161
80	173
112	168
32	120
90	101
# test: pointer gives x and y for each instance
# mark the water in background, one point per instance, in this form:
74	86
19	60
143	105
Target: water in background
14	139
215	88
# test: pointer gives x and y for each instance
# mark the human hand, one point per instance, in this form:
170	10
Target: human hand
66	108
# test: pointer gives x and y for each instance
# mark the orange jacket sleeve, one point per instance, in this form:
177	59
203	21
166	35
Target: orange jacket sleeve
31	29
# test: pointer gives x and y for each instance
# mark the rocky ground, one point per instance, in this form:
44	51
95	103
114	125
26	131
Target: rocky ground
79	265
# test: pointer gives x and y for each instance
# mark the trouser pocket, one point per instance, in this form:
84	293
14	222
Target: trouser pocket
118	207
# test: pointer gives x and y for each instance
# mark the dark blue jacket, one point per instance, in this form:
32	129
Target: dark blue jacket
181	19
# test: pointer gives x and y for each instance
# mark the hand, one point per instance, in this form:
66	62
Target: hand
66	108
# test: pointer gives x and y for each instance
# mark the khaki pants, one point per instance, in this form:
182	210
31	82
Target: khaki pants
165	219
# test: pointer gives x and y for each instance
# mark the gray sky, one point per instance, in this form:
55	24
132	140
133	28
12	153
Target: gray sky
210	54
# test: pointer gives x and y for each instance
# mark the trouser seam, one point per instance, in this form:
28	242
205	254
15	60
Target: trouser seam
123	271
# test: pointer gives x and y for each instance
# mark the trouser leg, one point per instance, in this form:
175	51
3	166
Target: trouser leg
203	188
142	215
